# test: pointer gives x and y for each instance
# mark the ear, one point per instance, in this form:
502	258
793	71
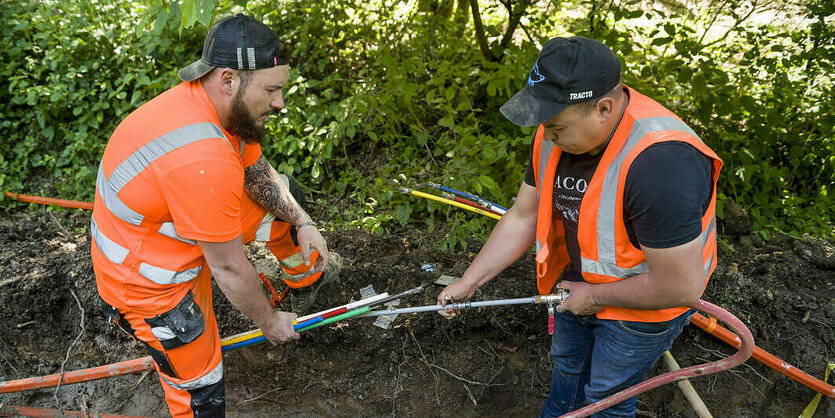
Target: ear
605	108
228	81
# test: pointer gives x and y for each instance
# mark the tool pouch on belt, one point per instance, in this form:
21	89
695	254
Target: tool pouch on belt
180	325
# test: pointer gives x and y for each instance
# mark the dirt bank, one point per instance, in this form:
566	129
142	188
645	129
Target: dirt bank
487	362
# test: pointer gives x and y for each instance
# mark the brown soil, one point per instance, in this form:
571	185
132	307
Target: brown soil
491	362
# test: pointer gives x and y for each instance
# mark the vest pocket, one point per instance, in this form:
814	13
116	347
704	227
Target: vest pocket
179	326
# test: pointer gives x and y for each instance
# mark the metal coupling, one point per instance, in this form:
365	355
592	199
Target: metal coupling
555	298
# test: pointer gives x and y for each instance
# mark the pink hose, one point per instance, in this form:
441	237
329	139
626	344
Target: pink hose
700	370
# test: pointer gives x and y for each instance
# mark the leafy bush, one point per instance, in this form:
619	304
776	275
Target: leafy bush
388	93
74	70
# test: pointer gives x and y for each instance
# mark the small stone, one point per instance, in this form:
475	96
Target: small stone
769	295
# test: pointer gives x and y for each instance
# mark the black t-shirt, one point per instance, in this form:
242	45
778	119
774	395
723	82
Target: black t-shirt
667	192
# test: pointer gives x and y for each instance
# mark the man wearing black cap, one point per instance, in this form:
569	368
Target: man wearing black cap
620	200
181	186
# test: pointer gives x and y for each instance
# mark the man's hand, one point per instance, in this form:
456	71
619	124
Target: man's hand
309	237
581	300
279	329
456	292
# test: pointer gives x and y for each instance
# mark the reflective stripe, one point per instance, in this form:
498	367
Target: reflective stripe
545	150
705	235
606	269
207	379
128	169
293	261
240	60
250	54
544	155
708	265
167	229
163	276
263	232
298	277
162	333
113	251
710	227
607	208
113	203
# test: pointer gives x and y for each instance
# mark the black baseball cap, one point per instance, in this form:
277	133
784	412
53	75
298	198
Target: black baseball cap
567	71
239	42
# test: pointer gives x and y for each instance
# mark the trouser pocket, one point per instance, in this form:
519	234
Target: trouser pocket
179	326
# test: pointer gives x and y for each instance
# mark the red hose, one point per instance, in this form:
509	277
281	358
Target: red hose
711	327
94	373
747	348
25	411
74	204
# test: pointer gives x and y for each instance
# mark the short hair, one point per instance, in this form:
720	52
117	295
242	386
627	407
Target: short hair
590	105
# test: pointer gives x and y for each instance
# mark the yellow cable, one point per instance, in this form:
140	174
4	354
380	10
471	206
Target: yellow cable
450	202
810	409
240	337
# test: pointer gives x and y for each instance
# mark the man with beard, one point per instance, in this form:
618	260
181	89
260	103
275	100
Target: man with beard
181	187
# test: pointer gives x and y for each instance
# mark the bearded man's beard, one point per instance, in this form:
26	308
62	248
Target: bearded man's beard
241	123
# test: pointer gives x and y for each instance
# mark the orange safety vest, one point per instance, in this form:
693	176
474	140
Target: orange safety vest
607	255
140	260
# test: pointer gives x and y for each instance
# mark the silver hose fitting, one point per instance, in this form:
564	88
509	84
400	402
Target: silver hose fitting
555	298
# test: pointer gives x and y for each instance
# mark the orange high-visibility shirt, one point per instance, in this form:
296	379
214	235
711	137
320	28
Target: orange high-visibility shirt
170	176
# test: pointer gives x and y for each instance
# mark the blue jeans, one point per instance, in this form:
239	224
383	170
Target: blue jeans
595	358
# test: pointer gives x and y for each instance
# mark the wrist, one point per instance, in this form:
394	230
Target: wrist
306	223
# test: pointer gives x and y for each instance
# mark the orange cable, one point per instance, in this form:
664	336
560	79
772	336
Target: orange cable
74	204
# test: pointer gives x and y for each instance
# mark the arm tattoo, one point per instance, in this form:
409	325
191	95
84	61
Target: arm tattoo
264	186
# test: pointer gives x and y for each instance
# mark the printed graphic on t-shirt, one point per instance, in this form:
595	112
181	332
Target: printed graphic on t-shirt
568	192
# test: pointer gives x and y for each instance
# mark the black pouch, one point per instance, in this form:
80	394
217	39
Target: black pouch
180	325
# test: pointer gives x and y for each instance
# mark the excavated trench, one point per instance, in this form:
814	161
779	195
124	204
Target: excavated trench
486	362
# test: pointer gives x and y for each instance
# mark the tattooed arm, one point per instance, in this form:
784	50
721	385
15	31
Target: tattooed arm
264	185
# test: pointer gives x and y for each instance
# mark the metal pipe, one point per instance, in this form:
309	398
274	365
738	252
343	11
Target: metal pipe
457	306
480	200
348	306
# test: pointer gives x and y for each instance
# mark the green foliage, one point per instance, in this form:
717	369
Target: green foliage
385	93
73	71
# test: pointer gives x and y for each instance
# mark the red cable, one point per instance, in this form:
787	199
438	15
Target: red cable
745	351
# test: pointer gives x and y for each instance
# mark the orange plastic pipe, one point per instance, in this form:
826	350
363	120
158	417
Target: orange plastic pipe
50	201
94	373
17	411
710	326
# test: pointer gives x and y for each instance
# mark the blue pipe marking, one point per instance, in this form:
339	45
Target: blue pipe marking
243	343
310	321
466	195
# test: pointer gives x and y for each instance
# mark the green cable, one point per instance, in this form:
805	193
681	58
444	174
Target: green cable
346	315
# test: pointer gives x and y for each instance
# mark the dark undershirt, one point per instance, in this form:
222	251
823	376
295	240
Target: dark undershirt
667	192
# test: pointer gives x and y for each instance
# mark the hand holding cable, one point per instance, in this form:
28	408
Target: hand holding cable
279	328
